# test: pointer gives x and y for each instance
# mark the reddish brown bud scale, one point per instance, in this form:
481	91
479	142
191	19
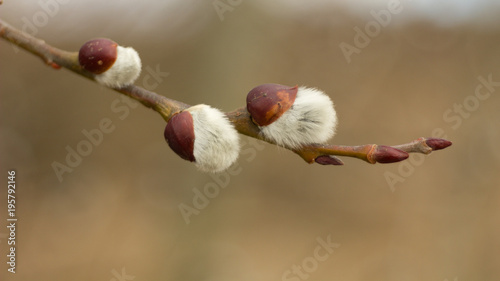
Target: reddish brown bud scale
328	160
437	144
268	102
98	55
387	154
179	134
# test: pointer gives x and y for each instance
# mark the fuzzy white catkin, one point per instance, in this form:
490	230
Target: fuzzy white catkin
311	119
124	71
216	143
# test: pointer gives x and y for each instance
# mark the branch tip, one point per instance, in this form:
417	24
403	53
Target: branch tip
438	144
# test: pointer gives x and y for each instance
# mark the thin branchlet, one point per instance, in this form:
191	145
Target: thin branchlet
312	153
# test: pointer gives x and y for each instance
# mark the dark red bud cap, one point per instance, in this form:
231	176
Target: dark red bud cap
98	55
267	102
387	154
179	134
437	144
328	160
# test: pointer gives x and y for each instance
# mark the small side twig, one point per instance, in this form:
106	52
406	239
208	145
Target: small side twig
325	154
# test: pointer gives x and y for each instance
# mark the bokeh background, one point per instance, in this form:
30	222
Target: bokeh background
116	216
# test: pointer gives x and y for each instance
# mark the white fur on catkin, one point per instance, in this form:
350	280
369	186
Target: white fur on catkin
216	144
311	119
124	71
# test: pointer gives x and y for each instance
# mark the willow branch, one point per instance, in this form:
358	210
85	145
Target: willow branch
320	153
57	58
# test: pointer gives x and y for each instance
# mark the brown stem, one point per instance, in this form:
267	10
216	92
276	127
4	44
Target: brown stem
163	105
56	58
320	153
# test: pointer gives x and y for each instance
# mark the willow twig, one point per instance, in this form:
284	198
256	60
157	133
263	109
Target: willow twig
325	154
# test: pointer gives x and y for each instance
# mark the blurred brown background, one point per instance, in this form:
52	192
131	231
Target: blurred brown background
116	215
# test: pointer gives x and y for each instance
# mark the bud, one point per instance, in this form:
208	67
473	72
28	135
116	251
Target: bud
113	65
328	160
437	144
203	135
268	102
387	154
292	116
179	134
